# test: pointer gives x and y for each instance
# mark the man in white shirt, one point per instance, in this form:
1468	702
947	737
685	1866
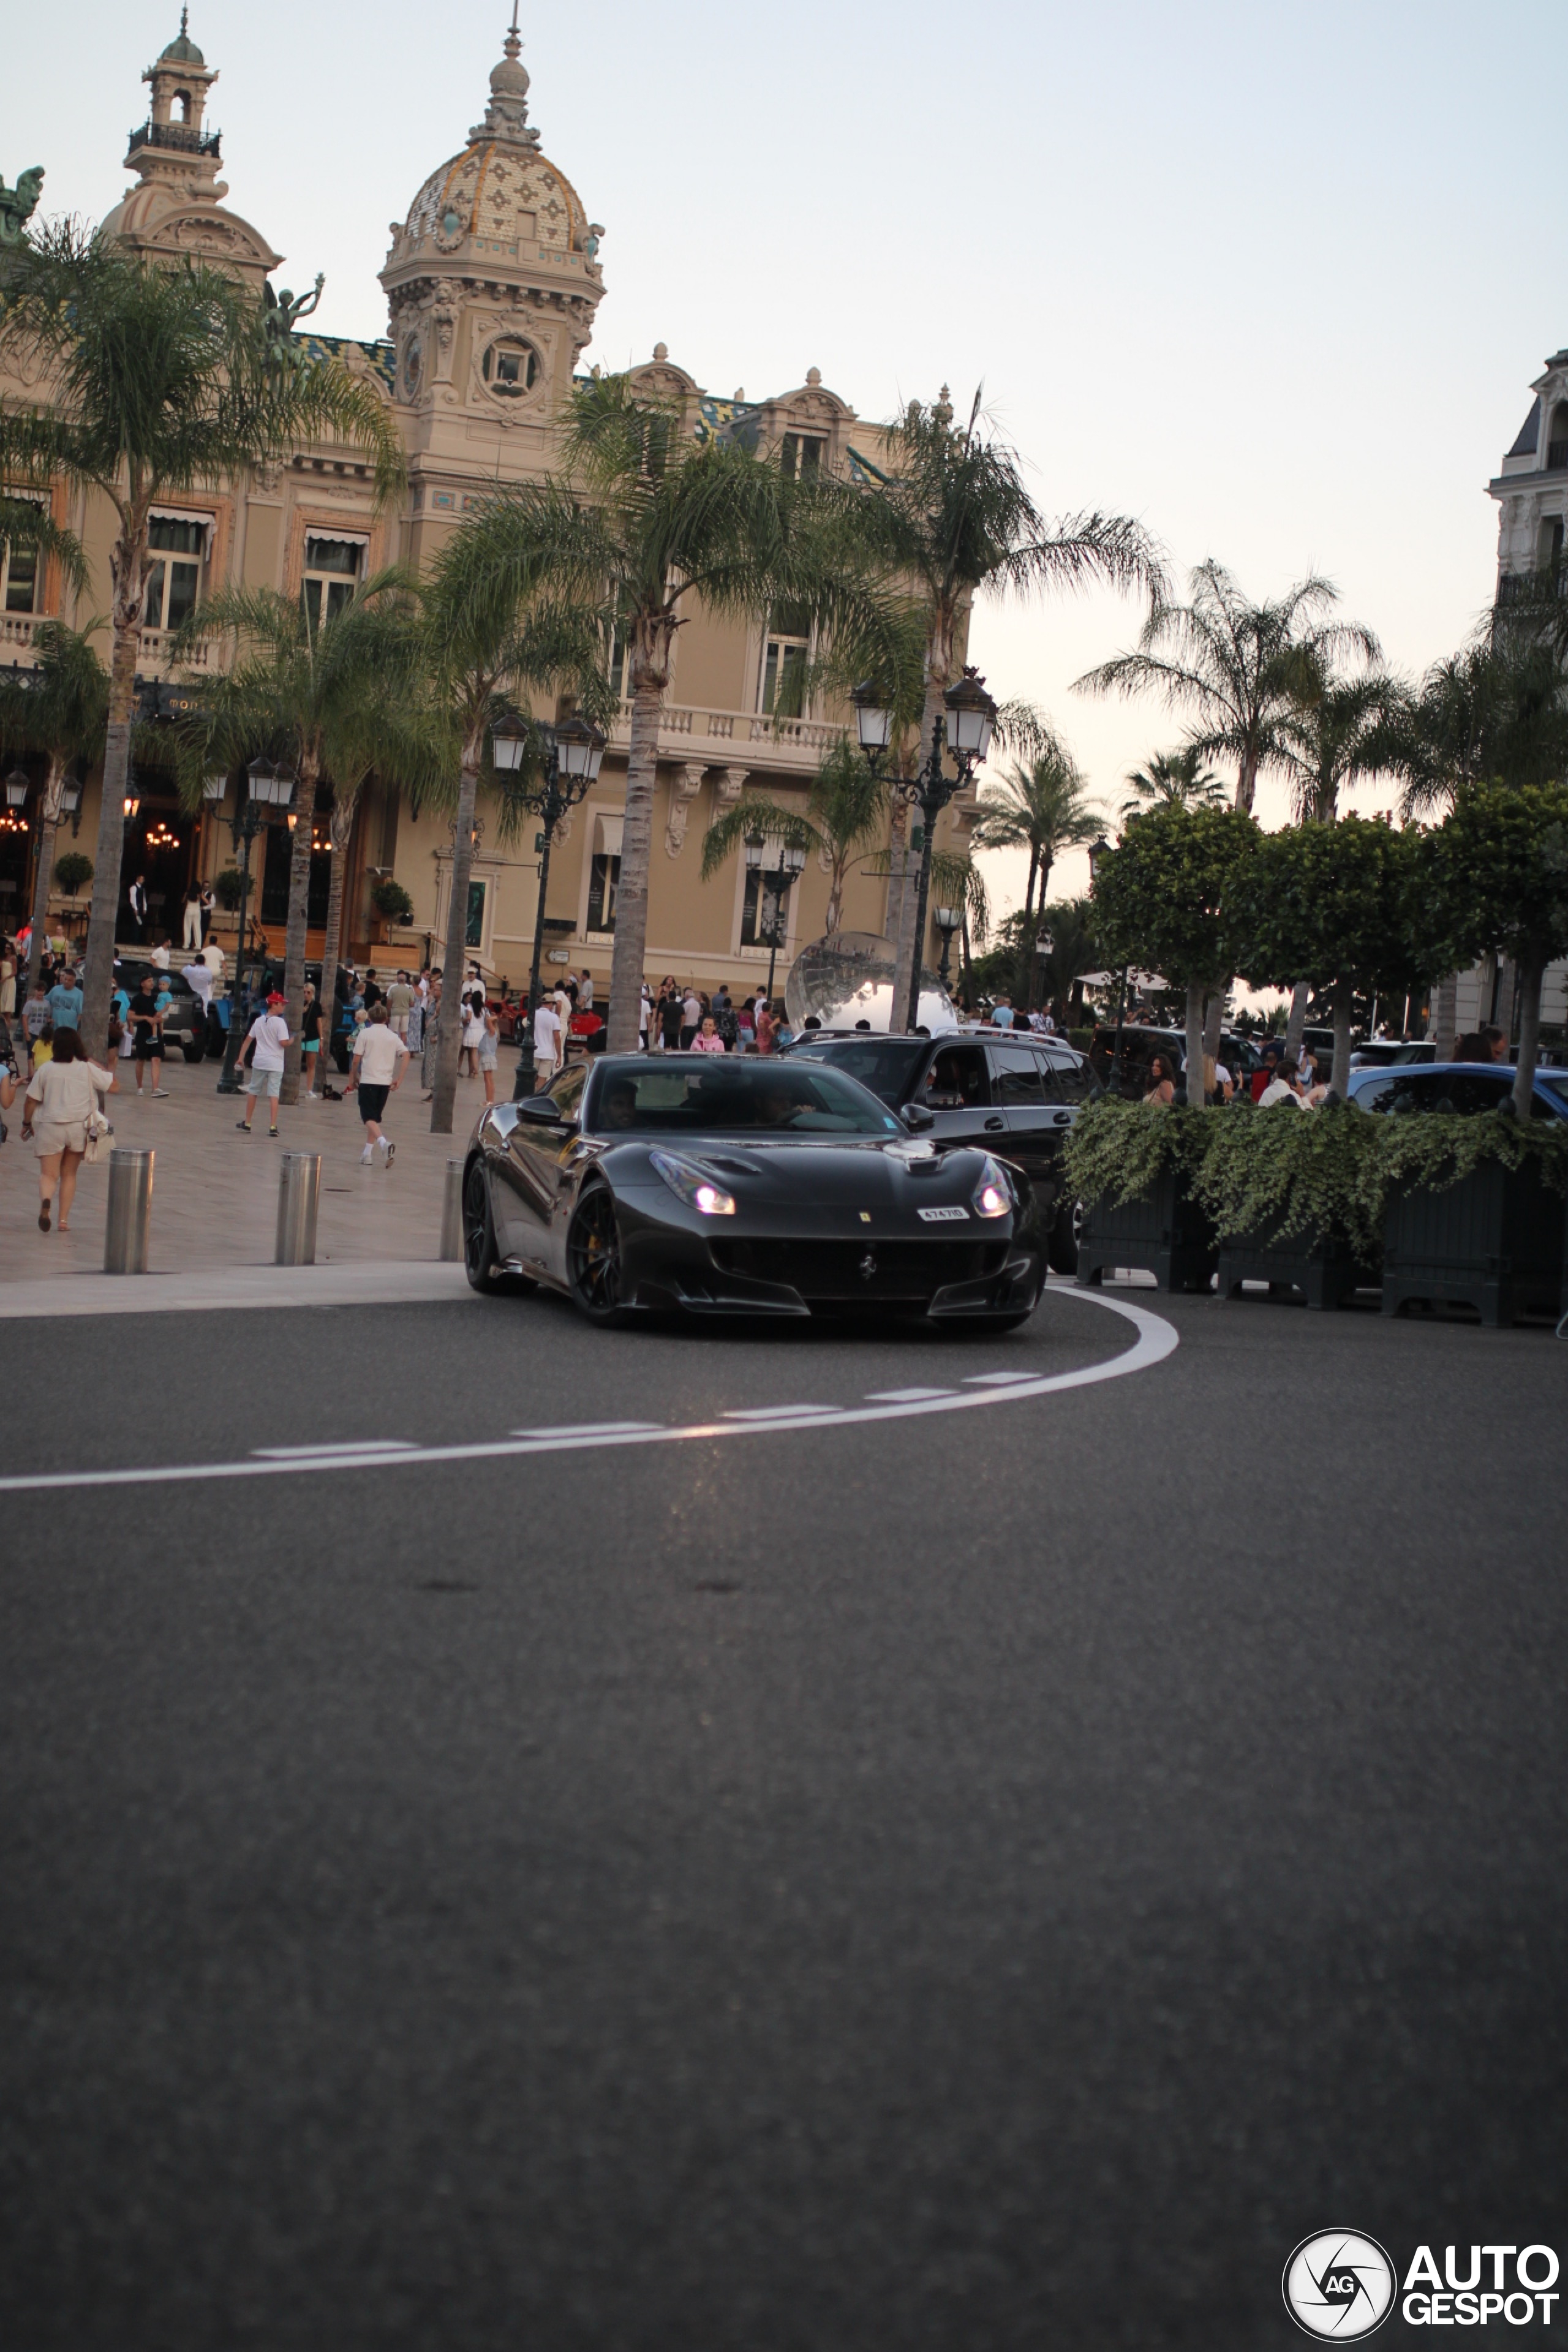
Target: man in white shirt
690	1019
585	992
266	1042
376	1072
546	1042
197	977
212	956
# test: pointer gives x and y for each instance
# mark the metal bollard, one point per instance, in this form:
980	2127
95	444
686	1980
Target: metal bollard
452	1211
129	1211
298	1196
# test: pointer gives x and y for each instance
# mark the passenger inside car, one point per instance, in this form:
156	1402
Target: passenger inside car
956	1079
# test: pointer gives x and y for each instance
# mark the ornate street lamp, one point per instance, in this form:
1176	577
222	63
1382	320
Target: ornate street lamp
778	864
271	786
947	920
17	785
574	752
970	721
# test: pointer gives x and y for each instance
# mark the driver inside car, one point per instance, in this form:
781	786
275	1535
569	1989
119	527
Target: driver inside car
620	1104
945	1089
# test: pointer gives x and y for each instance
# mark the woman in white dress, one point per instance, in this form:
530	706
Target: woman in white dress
473	1032
61	1100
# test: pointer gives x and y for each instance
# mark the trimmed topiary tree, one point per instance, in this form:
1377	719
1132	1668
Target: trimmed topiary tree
1500	867
1342	906
73	872
1166	898
392	902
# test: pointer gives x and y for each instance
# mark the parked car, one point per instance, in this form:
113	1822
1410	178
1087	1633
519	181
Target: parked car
1016	1093
1140	1044
1392	1053
185	1025
1463	1087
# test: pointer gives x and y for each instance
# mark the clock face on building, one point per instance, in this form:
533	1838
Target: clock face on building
413	367
510	367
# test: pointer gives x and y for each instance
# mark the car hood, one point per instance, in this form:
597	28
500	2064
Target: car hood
861	1173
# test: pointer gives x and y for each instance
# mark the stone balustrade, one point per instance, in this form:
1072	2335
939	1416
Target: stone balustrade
780	742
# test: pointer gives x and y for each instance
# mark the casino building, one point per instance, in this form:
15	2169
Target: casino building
492	282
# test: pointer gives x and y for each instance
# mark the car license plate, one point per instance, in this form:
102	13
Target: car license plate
944	1216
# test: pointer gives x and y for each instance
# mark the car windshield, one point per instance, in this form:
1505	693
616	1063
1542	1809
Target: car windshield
1555	1083
738	1097
886	1064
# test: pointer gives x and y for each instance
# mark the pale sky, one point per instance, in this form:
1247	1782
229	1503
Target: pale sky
1274	279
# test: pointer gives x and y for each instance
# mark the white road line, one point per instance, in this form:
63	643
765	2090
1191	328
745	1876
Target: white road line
905	1396
342	1446
775	1412
1156	1340
992	1379
590	1429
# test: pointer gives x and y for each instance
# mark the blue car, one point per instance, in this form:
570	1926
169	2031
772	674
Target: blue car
1463	1087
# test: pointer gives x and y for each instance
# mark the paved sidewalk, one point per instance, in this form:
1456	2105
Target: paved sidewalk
215	1192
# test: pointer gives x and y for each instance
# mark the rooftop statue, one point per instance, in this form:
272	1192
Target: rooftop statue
18	205
282	315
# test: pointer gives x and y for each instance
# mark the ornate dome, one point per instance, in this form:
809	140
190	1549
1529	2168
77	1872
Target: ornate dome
500	190
503	193
182	50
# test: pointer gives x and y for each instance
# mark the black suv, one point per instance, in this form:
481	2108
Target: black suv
1015	1096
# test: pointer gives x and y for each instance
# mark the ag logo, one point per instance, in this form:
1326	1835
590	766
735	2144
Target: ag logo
1338	2283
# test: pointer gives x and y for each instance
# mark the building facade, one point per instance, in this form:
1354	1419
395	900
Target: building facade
492	283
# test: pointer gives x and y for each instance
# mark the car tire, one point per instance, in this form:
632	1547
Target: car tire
194	1053
481	1258
594	1258
1061	1242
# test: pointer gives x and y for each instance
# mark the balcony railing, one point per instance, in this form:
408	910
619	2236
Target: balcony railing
183	138
1557	456
16	628
786	742
154	652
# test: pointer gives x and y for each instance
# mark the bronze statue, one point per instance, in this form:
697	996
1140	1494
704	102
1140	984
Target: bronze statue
283	314
18	205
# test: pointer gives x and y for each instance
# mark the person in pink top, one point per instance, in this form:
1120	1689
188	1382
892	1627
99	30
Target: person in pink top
708	1040
767	1028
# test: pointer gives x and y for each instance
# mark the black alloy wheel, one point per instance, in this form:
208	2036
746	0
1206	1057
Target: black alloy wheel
481	1258
594	1257
1062	1241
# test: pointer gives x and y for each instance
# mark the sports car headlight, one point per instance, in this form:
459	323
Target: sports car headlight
692	1183
993	1194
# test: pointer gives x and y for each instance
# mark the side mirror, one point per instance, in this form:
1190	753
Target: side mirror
917	1118
541	1111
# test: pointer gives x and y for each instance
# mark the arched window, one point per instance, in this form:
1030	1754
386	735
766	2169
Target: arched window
1557	440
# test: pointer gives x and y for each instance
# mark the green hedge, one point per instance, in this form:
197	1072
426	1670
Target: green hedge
1283	1169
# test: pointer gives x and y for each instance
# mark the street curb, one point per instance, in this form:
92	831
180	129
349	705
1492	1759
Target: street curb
370	1283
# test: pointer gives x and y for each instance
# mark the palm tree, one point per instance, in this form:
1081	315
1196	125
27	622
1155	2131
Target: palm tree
1075	950
1042	806
951	515
844	812
1177	777
329	696
158	380
489	639
59	707
1339	731
648	523
1240	668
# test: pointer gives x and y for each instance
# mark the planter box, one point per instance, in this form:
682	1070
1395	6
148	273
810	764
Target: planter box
1162	1233
1323	1267
1494	1241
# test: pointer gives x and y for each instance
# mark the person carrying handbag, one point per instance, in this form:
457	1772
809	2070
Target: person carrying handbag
61	1114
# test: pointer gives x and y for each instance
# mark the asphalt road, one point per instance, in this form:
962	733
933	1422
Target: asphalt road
995	1878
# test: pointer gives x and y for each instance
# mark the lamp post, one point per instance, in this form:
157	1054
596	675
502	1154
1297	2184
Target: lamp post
270	787
970	723
16	788
774	883
947	920
571	765
1098	851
